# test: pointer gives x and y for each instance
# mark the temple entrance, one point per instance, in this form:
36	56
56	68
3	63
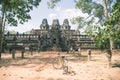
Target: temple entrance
54	41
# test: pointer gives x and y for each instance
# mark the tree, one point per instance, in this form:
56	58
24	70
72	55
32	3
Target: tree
113	22
108	31
13	12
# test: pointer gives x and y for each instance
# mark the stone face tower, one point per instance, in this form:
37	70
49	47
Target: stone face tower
66	25
55	24
44	25
55	35
44	30
54	38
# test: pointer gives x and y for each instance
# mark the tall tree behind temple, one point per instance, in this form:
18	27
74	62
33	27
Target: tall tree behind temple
113	23
13	12
107	9
101	11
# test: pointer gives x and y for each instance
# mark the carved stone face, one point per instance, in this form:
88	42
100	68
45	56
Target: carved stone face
44	22
66	24
55	22
66	21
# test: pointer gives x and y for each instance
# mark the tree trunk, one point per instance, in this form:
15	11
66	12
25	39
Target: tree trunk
106	16
105	9
112	46
0	40
2	23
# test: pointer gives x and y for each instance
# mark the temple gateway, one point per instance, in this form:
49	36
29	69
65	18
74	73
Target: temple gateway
50	37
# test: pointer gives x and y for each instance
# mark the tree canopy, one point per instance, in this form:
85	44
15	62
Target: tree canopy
16	11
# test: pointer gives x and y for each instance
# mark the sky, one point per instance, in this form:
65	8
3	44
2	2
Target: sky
64	10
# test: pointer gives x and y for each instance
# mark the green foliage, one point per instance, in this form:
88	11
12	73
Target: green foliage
85	6
115	16
4	44
52	3
85	23
95	15
90	7
102	45
17	11
78	20
113	22
102	39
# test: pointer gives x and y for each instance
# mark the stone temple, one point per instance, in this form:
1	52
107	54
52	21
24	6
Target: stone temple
51	37
56	36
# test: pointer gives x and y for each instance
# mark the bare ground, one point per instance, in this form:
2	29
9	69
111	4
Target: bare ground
39	67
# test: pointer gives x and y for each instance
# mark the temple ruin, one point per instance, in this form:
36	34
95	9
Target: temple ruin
51	37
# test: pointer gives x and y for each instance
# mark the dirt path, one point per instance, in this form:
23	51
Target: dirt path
39	67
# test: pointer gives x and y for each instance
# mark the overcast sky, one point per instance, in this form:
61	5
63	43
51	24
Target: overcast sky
64	10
